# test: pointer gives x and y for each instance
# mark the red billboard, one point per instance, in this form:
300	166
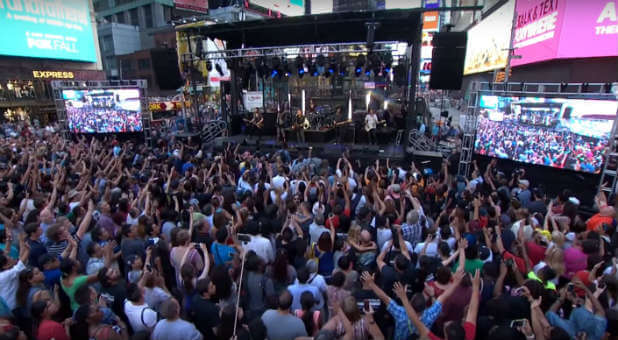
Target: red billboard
192	5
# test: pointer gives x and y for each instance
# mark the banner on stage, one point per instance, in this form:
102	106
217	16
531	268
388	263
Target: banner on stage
253	100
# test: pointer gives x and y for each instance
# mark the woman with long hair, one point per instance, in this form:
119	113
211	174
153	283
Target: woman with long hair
44	327
281	272
30	281
87	325
311	318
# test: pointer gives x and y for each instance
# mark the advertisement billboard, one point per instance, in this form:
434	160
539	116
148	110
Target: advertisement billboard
489	40
285	7
192	5
555	29
49	29
397	4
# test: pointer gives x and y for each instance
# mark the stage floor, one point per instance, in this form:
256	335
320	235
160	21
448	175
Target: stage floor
267	144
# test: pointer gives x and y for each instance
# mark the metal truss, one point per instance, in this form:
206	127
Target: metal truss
60	85
468	126
294	50
417	141
599	91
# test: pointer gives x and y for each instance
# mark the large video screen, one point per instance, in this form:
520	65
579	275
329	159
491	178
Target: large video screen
557	132
47	29
103	110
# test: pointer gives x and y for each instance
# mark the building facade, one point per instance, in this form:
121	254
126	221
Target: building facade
29	67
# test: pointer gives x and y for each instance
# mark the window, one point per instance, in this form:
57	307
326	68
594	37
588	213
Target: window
100	5
148	15
134	17
143	64
108	19
120	18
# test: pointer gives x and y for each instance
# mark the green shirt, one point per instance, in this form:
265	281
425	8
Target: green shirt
70	291
470	266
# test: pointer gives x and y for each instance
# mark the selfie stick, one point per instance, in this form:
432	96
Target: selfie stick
242	269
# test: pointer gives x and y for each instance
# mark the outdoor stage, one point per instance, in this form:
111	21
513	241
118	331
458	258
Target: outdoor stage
328	150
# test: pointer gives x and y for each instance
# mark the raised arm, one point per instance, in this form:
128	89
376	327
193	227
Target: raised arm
473	308
369	279
400	291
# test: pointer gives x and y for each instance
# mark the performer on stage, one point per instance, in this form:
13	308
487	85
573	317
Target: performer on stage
299	126
340	122
281	127
371	123
255	124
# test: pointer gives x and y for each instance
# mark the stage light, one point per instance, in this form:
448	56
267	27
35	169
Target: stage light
385	105
274	73
300	65
313	70
360	62
368	99
332	68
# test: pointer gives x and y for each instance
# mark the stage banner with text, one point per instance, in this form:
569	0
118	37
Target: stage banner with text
253	100
553	29
192	5
51	29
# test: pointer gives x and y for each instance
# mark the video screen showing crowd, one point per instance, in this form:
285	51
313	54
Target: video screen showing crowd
563	133
103	111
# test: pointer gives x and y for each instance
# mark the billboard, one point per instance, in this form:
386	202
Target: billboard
558	132
47	29
103	110
489	40
397	4
555	29
285	7
192	5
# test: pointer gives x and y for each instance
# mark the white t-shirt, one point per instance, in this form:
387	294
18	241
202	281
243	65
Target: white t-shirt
371	121
141	317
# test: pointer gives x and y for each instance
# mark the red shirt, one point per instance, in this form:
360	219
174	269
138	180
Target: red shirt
469	328
536	253
597	221
519	262
335	219
49	329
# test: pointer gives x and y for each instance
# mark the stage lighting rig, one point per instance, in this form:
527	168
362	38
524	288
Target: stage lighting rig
300	65
360	63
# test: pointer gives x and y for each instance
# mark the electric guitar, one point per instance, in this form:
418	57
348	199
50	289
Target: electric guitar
258	125
345	122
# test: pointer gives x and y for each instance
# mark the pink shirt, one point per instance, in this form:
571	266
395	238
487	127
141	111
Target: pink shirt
574	261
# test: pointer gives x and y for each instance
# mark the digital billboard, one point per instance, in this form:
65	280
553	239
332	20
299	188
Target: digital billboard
557	132
555	29
47	29
285	7
489	40
103	110
192	5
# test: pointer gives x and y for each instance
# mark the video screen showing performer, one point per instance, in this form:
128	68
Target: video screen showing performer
562	133
103	111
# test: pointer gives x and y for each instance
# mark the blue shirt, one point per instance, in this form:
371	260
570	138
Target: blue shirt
403	326
221	253
580	320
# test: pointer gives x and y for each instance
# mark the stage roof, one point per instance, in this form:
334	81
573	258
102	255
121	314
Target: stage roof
394	25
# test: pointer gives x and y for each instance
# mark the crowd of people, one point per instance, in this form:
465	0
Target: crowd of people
540	145
105	240
88	119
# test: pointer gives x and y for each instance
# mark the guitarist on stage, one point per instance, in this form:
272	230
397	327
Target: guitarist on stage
255	124
340	122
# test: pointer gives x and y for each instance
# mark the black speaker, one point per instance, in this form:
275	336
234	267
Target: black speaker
165	65
447	60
